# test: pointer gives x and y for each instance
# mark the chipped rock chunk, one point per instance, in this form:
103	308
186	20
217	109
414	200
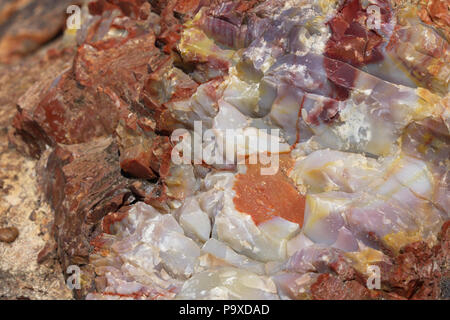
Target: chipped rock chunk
8	235
194	220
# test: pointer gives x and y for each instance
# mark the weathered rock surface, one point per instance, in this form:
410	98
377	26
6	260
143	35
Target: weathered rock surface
415	273
83	183
25	25
22	204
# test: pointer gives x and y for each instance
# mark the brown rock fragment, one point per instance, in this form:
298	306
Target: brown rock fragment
143	153
72	114
84	102
83	183
8	235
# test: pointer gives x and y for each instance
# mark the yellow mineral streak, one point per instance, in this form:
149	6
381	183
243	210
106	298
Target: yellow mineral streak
429	104
396	241
318	208
364	258
195	43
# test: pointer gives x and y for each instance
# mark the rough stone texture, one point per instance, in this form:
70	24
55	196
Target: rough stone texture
435	13
65	114
78	106
83	183
21	203
27	24
418	272
329	287
21	206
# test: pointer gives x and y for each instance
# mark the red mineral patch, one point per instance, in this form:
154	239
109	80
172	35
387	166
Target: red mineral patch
266	196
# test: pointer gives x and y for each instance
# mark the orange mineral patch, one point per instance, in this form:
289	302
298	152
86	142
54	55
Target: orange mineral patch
266	196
